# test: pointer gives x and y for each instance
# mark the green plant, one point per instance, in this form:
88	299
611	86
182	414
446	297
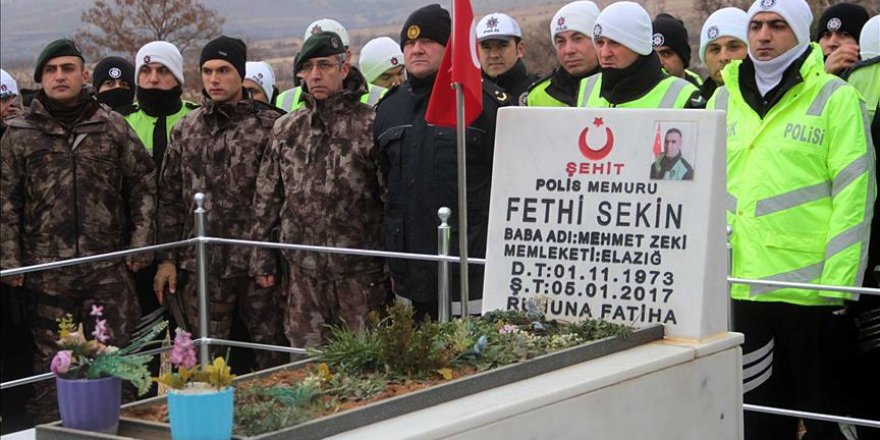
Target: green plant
264	409
407	349
350	351
80	358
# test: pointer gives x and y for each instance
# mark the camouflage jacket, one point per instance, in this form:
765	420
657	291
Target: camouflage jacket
319	183
215	149
68	193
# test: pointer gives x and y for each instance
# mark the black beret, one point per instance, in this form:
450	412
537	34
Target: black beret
322	44
58	48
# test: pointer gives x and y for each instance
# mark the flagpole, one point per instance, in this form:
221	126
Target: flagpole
460	128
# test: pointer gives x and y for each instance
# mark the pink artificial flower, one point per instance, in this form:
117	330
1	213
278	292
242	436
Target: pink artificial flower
508	329
101	333
183	354
61	362
97	311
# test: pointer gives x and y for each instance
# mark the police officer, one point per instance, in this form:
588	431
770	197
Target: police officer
216	150
571	31
837	33
801	184
113	79
501	54
159	81
381	62
671	43
260	81
864	386
8	95
332	135
75	182
722	40
419	162
291	99
631	74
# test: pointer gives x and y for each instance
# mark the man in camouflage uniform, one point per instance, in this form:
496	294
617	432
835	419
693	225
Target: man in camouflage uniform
216	149
319	182
76	181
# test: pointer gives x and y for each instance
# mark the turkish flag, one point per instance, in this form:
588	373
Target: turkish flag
658	144
460	65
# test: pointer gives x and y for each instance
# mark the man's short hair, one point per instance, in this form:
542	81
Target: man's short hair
673	130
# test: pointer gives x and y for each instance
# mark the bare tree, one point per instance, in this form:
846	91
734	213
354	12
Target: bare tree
123	26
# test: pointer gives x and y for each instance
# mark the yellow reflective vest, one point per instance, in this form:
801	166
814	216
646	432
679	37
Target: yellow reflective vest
671	92
801	186
143	124
291	99
538	96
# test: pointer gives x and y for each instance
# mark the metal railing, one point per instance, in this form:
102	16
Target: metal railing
442	258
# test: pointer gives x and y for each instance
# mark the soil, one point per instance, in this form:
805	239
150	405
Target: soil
159	412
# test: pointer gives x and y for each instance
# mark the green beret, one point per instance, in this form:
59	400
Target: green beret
322	44
55	49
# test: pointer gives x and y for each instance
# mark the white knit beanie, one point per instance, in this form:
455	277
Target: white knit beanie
627	23
869	42
379	55
261	73
795	12
161	52
579	16
327	25
8	86
725	22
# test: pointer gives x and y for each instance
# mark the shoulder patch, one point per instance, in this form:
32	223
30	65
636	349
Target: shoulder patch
497	93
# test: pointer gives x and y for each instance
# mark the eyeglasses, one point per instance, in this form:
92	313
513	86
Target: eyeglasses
323	66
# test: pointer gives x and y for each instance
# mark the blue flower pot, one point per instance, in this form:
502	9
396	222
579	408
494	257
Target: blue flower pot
90	404
200	415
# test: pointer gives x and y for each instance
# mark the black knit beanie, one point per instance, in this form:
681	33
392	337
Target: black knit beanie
228	49
431	22
842	17
670	31
113	68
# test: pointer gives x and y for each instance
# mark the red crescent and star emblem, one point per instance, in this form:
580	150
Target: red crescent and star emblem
590	152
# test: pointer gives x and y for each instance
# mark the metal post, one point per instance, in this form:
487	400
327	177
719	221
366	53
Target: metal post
444	237
202	275
729	274
462	199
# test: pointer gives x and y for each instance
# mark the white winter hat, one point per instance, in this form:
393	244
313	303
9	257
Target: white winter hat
497	25
8	86
795	12
725	22
379	55
627	23
869	41
261	73
161	52
327	25
579	16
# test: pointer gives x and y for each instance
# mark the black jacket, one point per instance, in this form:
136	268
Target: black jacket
515	81
419	163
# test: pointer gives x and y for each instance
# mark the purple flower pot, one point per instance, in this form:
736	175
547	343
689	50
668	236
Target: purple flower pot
90	404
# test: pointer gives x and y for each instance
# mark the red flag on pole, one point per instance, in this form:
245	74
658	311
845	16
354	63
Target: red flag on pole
658	144
460	65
